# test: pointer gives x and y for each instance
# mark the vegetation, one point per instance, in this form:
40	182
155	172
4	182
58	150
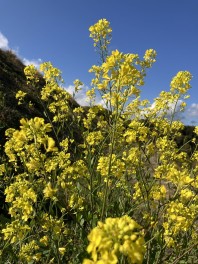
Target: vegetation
91	185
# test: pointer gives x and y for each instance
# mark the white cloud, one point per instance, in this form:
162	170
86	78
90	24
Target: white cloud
36	63
3	42
172	109
81	97
189	116
193	111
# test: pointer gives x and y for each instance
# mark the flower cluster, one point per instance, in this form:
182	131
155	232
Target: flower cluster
120	76
101	30
114	237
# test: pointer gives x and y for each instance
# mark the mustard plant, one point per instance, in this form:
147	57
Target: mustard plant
120	192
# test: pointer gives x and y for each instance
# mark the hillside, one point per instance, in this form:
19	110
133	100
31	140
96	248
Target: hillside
12	79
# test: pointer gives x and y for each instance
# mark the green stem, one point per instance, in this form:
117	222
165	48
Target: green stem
112	143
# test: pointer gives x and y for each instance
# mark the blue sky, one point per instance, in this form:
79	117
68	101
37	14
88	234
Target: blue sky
57	31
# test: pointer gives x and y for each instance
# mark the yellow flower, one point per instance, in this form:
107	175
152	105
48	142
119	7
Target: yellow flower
114	237
94	138
20	96
62	250
50	192
196	130
150	56
51	145
100	30
44	240
77	85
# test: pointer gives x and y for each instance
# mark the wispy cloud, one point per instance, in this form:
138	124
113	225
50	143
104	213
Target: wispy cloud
193	111
36	63
4	43
173	109
191	114
81	97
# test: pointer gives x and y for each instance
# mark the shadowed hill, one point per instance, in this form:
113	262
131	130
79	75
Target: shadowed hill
12	79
